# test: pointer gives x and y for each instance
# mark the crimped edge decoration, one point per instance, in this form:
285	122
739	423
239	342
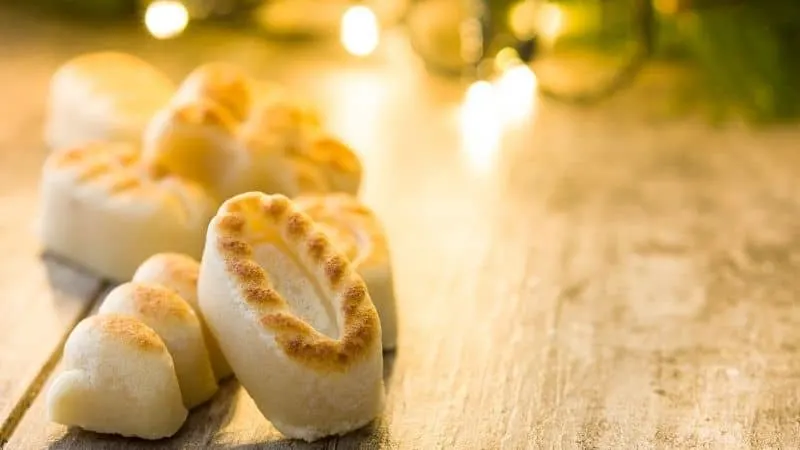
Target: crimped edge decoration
348	212
299	340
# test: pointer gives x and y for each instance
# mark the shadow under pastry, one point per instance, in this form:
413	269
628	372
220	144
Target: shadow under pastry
197	432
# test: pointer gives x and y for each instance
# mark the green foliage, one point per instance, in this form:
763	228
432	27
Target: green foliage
750	56
748	51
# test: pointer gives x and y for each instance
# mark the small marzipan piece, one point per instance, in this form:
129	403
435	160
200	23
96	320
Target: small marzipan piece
180	273
118	378
171	317
103	210
356	231
107	96
233	134
292	317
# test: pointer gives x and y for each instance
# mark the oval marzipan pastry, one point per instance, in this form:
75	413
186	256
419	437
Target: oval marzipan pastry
176	323
180	273
293	318
356	230
103	210
233	134
118	378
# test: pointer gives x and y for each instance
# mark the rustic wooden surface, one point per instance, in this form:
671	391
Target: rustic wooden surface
601	279
40	299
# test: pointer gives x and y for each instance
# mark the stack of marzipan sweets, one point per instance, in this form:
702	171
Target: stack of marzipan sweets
235	216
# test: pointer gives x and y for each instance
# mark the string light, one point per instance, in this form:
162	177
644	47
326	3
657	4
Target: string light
550	21
481	128
165	19
489	107
522	18
360	32
516	89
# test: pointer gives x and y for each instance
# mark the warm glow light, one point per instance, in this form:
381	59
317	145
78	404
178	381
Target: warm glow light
360	32
667	7
166	18
522	18
481	129
516	91
506	58
550	21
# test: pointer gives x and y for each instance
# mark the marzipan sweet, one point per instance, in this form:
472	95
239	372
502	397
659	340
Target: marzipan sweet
180	273
118	378
171	317
102	208
293	318
233	134
106	96
355	230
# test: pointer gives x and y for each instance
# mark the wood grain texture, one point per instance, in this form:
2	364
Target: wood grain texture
599	279
40	298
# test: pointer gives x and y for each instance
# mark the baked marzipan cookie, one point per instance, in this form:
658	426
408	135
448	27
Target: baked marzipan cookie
103	210
118	378
233	134
294	320
108	96
180	272
171	317
357	232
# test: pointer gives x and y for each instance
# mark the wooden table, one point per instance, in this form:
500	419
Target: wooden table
599	279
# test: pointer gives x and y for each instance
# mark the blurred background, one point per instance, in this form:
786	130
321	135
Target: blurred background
593	186
727	59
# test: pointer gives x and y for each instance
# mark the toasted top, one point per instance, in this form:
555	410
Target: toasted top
240	223
206	113
327	150
222	122
172	270
353	224
116	169
126	330
279	116
147	300
127	82
223	83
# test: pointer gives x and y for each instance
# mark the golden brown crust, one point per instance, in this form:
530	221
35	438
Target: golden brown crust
117	169
181	268
354	223
232	223
277	115
125	155
156	301
299	340
128	330
235	247
331	152
222	98
124	183
115	164
226	84
203	112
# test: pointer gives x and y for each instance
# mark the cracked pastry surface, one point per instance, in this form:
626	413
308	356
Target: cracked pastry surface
292	316
103	209
103	96
356	231
176	323
118	378
180	273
